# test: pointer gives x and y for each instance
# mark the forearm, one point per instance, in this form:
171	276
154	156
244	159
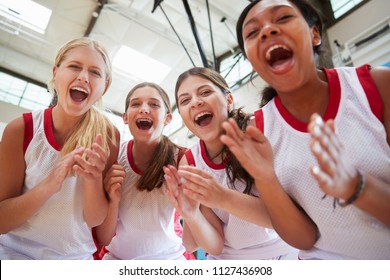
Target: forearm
106	231
95	202
17	210
375	199
246	207
292	224
188	240
205	234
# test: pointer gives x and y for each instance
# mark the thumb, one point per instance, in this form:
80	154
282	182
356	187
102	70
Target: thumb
99	139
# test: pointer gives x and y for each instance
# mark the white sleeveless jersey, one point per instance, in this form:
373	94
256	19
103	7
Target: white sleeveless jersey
145	228
243	240
57	230
355	105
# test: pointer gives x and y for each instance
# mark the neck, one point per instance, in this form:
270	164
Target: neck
311	98
214	151
63	124
143	153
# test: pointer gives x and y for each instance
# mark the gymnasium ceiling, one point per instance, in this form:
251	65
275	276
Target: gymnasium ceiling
129	23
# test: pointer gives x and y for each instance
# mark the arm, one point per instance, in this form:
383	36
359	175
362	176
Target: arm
113	184
202	187
91	170
17	208
337	177
381	77
202	228
252	149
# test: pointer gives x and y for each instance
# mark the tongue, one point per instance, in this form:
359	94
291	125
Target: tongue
205	120
144	125
279	62
77	95
279	56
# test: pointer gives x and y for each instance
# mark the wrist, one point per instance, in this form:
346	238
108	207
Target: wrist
356	194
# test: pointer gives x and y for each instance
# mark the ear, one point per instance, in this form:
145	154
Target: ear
230	101
124	117
168	118
54	70
316	37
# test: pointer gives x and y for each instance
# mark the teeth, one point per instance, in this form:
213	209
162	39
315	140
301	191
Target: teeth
80	89
201	115
144	120
268	54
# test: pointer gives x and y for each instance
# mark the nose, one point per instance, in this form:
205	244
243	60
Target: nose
197	101
268	30
83	76
144	109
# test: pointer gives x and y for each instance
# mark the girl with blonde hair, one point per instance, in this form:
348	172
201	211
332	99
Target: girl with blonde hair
58	158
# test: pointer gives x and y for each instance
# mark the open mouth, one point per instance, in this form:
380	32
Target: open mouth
277	55
144	124
78	94
203	119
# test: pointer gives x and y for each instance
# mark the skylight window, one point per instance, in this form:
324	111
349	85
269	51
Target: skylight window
139	66
26	13
340	7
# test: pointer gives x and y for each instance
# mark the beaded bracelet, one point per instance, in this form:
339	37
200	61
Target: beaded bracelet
358	191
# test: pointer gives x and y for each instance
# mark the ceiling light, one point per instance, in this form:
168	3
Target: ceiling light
138	66
26	13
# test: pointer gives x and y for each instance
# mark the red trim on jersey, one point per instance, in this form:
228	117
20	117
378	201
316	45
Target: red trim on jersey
182	151
334	94
259	118
206	159
48	126
190	157
28	130
372	93
96	255
331	110
131	159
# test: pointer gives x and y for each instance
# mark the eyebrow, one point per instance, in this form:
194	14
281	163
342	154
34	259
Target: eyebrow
197	89
151	98
273	10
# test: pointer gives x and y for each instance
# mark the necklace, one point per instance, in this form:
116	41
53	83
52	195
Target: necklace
217	155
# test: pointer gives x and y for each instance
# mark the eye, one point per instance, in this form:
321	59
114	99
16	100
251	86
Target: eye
74	66
252	33
205	92
283	18
95	73
184	101
134	104
155	105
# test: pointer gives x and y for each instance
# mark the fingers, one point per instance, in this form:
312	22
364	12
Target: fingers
197	171
116	174
172	171
232	130
95	161
325	144
255	134
195	186
172	180
170	190
322	178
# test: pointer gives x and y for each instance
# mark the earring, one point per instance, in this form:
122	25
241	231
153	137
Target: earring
317	42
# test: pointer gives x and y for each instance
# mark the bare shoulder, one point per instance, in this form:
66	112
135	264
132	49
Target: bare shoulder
13	133
381	77
114	148
12	159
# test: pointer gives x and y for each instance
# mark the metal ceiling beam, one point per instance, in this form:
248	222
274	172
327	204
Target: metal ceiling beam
95	16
